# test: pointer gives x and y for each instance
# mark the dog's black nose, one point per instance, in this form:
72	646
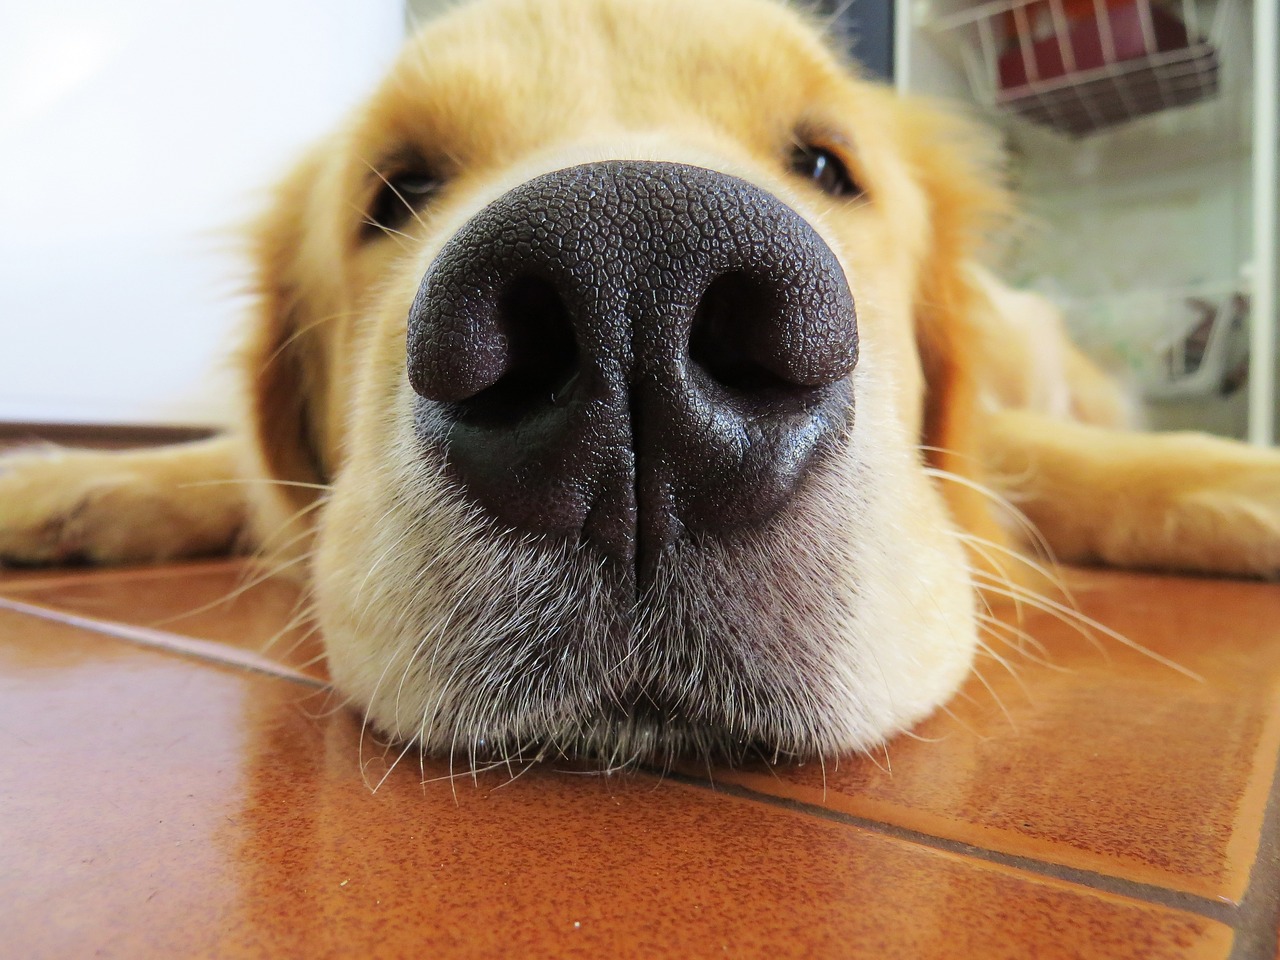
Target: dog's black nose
631	352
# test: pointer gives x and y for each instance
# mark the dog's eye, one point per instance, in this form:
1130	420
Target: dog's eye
825	170
399	198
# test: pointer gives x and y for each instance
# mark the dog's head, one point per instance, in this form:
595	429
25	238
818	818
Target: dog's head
619	330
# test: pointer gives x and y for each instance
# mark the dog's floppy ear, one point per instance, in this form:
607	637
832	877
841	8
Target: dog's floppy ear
285	362
958	167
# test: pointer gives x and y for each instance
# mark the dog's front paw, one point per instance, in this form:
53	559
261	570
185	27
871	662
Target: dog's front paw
61	505
1171	501
39	500
58	506
1193	502
1235	518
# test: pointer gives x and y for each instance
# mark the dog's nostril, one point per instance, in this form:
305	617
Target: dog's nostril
752	334
540	354
731	339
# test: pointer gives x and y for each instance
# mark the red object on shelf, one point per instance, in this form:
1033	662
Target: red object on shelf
1084	37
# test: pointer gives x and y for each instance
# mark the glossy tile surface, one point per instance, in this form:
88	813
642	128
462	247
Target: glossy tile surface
229	601
160	808
165	800
1110	761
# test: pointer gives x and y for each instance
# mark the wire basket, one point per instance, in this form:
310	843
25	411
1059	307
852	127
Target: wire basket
1082	66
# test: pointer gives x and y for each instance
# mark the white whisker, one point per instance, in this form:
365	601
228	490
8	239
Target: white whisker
1080	621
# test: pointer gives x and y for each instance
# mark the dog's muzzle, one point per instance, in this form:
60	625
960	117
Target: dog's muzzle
630	353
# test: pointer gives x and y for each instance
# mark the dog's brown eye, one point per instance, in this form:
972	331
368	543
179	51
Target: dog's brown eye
825	170
398	200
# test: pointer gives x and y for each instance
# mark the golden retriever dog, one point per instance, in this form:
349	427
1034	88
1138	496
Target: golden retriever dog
625	381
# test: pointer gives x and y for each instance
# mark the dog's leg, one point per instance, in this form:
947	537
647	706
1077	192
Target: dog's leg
120	506
1176	501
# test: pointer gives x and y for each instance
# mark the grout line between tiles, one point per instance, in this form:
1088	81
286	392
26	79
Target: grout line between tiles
1259	913
1221	911
206	650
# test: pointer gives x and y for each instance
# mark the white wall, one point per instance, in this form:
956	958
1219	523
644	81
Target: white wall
134	136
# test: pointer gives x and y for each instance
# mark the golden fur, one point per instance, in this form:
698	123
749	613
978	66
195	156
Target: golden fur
427	608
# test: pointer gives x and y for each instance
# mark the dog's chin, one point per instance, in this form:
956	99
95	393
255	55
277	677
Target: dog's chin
712	659
730	650
810	634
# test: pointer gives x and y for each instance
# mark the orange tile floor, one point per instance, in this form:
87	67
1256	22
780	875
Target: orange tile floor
172	786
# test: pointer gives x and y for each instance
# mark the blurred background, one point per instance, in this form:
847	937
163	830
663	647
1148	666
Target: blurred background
1142	137
138	135
135	137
